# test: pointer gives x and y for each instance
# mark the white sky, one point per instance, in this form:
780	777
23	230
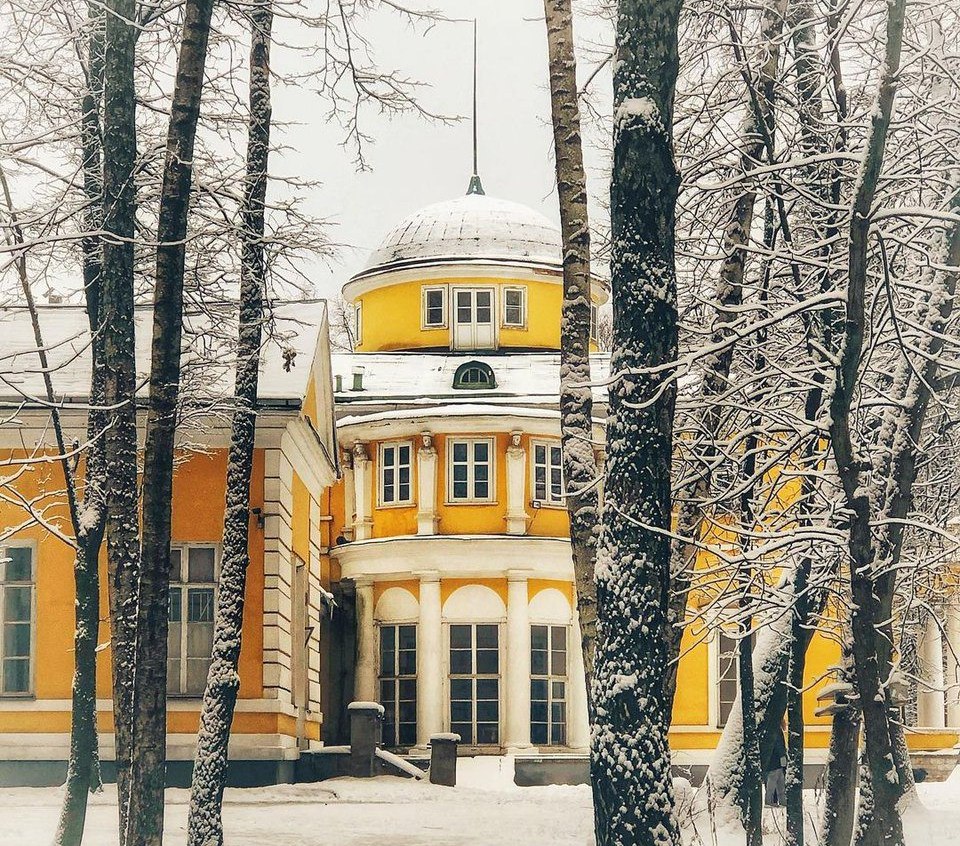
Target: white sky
414	162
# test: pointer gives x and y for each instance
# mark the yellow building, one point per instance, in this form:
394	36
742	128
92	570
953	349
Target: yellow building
278	712
450	523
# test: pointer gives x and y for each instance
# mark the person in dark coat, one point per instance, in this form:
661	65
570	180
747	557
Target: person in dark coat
775	771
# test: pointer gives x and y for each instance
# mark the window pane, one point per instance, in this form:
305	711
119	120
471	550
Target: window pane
173	677
174	633
388	636
387	457
16	640
538	734
408	662
16	604
488	689
481	451
461	710
538	711
408	711
408	637
201	564
408	689
460	636
176	564
488	733
488	661
16	675
407	734
465	730
404	455
481	490
388	662
538	662
558	637
487	635
197	675
199	640
18	567
538	637
459	490
558	690
200	605
461	689
558	663
459	451
461	661
538	690
488	710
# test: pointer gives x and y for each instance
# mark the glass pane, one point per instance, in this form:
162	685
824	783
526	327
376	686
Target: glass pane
488	733
408	637
175	613
408	662
461	710
387	688
176	563
538	662
558	690
538	711
538	637
557	712
558	637
387	457
200	605
538	734
460	636
388	665
481	451
488	710
461	662
488	689
404	455
16	640
16	604
465	730
488	661
407	734
408	689
18	564
408	711
461	689
199	640
538	690
459	451
388	636
481	490
460	490
174	633
558	734
558	663
481	473
487	635
201	564
197	675
173	676
16	675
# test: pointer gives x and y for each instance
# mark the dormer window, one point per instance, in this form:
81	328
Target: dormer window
474	375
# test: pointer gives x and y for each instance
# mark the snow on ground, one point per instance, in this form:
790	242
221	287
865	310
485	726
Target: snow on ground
485	808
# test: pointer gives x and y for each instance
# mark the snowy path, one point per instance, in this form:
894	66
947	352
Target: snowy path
484	809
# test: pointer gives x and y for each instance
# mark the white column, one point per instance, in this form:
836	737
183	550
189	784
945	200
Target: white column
578	721
365	677
363	492
430	662
953	664
930	697
516	664
426	486
349	495
516	486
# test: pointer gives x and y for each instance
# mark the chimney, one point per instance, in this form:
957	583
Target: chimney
358	378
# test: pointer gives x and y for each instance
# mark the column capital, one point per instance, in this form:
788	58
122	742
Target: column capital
427	575
518	575
363	582
359	450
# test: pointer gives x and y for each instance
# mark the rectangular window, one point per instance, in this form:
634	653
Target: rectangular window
475	683
548	685
594	323
514	307
470	476
193	573
547	468
16	619
358	324
434	307
395	477
728	674
398	684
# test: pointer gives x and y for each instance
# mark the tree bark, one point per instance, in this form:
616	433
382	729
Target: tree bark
630	756
205	825
150	695
866	610
576	397
839	810
123	521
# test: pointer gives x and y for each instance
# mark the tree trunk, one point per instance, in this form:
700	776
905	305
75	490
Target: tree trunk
205	826
839	811
123	522
576	398
150	696
866	610
630	756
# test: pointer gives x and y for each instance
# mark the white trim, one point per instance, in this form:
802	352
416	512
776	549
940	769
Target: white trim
444	308
500	676
548	501
522	289
381	466
470	499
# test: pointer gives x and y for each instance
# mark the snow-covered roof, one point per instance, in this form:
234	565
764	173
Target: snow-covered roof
470	228
423	379
208	361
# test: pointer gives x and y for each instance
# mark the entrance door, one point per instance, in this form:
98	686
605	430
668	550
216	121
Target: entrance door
473	319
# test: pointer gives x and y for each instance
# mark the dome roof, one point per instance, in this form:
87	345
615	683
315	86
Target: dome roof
470	228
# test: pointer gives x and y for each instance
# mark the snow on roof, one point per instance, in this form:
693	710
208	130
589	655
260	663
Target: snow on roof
424	378
469	228
208	341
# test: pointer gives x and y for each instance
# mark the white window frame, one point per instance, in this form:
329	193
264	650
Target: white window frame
358	324
549	500
381	466
521	289
552	676
184	548
444	308
449	676
594	322
471	478
29	693
395	676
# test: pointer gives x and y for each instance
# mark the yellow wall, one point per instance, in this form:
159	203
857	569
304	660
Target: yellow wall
392	315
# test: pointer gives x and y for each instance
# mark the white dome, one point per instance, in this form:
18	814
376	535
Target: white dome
471	228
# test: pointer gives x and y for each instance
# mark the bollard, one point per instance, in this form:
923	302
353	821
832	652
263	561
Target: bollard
443	759
365	719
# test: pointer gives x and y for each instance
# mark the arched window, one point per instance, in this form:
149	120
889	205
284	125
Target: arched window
474	375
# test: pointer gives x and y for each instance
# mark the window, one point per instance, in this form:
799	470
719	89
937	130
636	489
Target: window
434	307
474	375
728	674
190	637
475	683
548	473
548	685
594	323
398	684
470	478
16	616
395	473
358	324
514	307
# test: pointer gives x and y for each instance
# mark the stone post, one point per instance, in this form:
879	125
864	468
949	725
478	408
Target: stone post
363	492
365	673
426	486
930	704
443	759
366	719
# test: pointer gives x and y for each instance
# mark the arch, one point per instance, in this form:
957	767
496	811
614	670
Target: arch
474	376
550	606
474	603
397	603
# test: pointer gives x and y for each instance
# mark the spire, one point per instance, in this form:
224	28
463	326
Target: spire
475	186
